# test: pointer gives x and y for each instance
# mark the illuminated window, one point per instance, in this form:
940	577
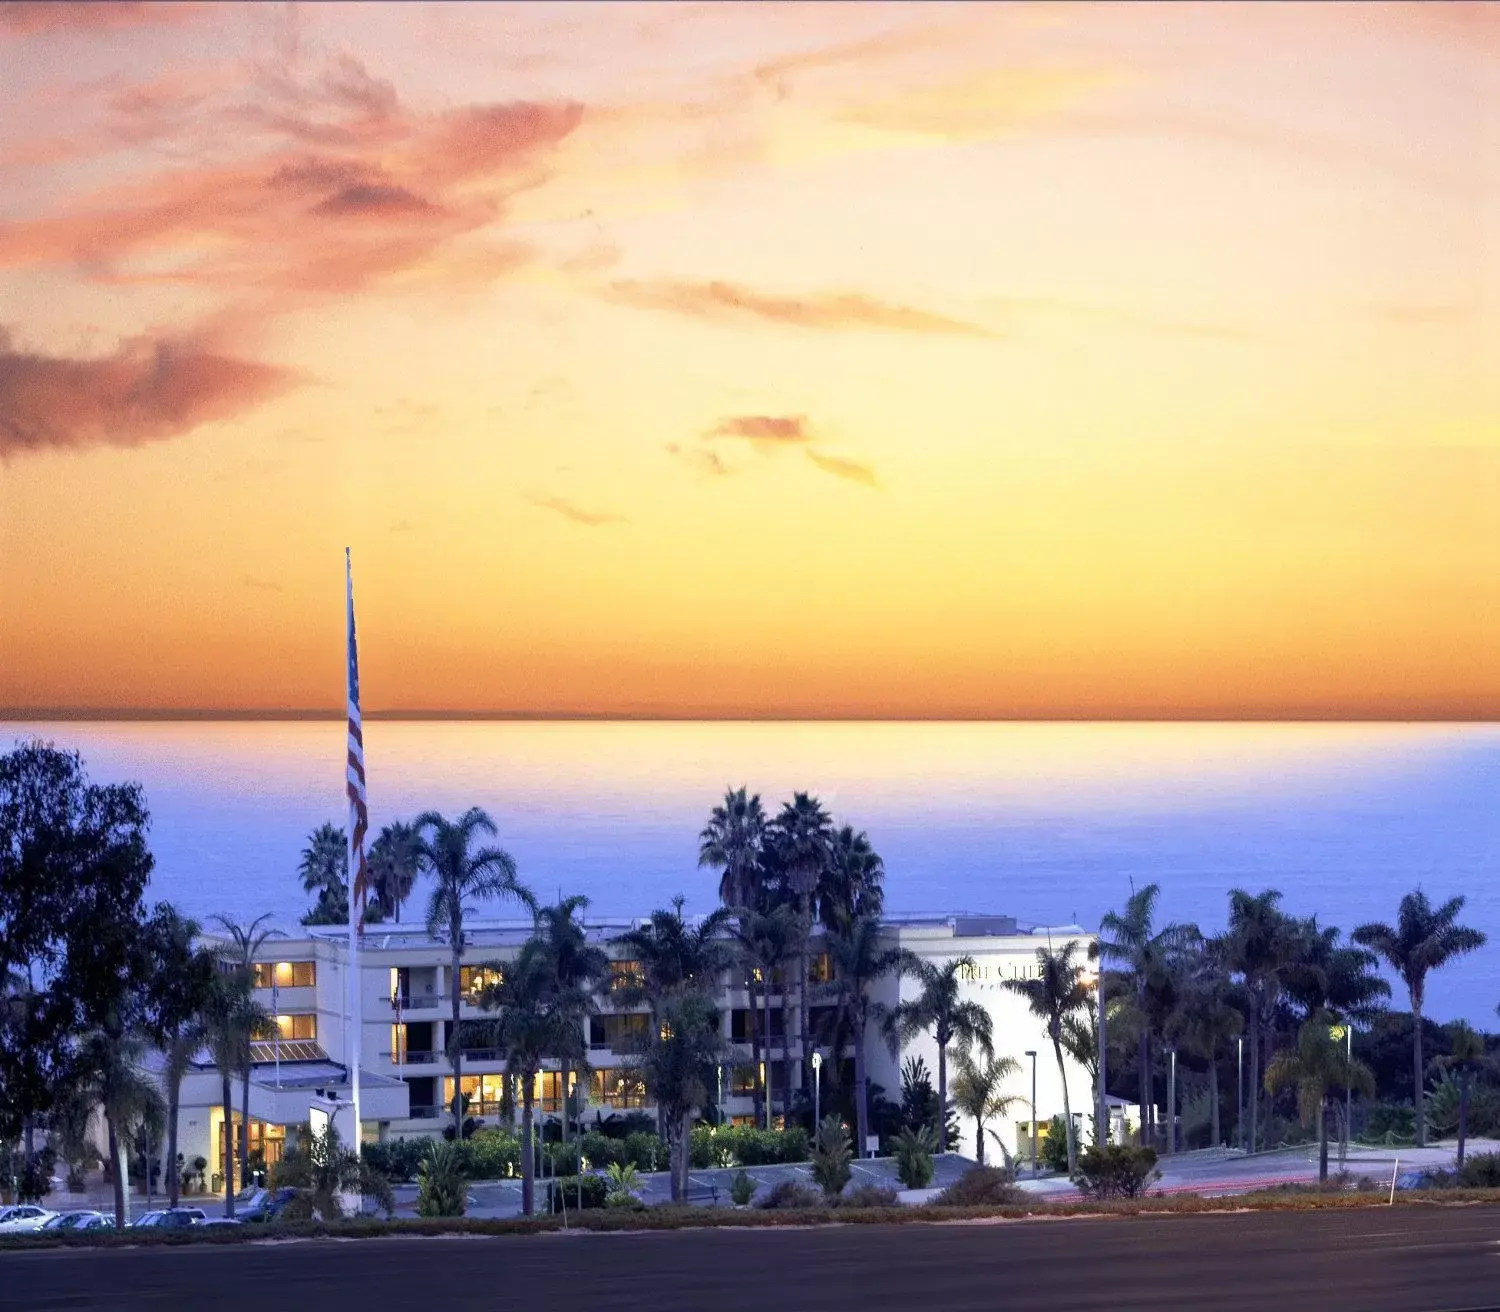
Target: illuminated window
744	1079
303	1026
286	974
820	969
473	980
625	975
612	1087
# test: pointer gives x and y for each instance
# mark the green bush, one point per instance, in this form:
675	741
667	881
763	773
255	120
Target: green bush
1053	1150
745	1145
492	1155
870	1195
831	1156
982	1186
1391	1123
791	1195
441	1183
602	1151
397	1159
646	1152
742	1189
562	1159
1481	1171
576	1192
1116	1171
913	1153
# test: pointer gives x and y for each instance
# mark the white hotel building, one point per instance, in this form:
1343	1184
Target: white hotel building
405	994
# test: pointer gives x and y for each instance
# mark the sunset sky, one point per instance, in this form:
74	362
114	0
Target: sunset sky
785	360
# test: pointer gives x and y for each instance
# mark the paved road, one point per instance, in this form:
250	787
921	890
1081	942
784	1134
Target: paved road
1401	1260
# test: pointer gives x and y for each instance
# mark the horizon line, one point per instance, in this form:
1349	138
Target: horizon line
37	715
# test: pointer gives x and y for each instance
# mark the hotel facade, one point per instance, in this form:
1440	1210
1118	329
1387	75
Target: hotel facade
406	1083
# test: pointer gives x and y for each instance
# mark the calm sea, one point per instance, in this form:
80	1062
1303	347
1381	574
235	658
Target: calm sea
1047	822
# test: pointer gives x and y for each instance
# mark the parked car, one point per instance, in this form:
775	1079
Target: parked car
97	1221
23	1217
220	1220
269	1206
1422	1179
177	1218
69	1220
145	1220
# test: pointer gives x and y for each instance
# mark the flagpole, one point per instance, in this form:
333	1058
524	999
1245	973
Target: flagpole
356	851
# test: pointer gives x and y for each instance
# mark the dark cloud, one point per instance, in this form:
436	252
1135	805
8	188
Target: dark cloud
147	391
769	429
839	467
575	514
823	311
373	200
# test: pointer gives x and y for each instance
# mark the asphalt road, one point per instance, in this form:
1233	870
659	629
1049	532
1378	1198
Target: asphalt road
1406	1259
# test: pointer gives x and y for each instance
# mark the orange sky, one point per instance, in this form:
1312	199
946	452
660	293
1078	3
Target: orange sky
770	360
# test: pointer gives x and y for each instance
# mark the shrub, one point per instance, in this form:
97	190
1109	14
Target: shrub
645	1152
742	1188
441	1187
745	1145
791	1195
913	1153
1481	1171
397	1159
870	1195
622	1184
576	1192
982	1186
1053	1150
562	1159
1116	1171
1391	1123
616	1126
600	1150
492	1155
794	1144
831	1156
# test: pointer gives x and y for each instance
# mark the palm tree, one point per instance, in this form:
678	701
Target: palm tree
1147	956
955	1023
1465	1059
732	841
231	1020
324	867
1316	1067
395	858
768	942
108	1068
1423	938
802	835
536	1020
1204	1021
1324	974
860	959
462	878
672	954
851	887
245	941
977	1092
1260	947
322	1170
180	990
578	967
1058	991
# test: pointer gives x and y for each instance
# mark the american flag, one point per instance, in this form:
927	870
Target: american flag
359	815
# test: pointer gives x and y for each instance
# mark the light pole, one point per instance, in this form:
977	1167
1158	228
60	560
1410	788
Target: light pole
1031	1052
817	1065
1172	1105
1239	1094
1348	1092
1101	1112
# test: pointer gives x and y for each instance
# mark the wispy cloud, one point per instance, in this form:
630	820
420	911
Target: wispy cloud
146	391
769	430
841	467
823	311
38	17
699	459
575	514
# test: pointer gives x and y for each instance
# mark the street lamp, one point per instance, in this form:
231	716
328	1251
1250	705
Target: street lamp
1031	1052
1172	1105
817	1065
1101	1112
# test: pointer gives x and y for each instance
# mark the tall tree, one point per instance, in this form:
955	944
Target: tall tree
1205	1020
1147	957
768	942
109	1066
463	876
536	1020
1260	946
979	1092
1466	1058
232	1019
1423	939
324	868
578	968
395	861
180	988
242	944
802	835
852	887
954	1022
672	953
861	958
1317	1068
1057	991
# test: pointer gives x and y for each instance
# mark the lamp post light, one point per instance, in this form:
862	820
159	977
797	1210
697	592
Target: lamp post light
1101	1111
1239	1094
817	1065
1348	1092
1031	1052
1172	1105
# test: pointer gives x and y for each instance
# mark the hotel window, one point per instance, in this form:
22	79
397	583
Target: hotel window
625	975
820	969
613	1087
286	974
304	1026
616	1032
473	980
744	1079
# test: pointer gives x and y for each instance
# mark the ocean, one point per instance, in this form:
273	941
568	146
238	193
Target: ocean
1047	822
